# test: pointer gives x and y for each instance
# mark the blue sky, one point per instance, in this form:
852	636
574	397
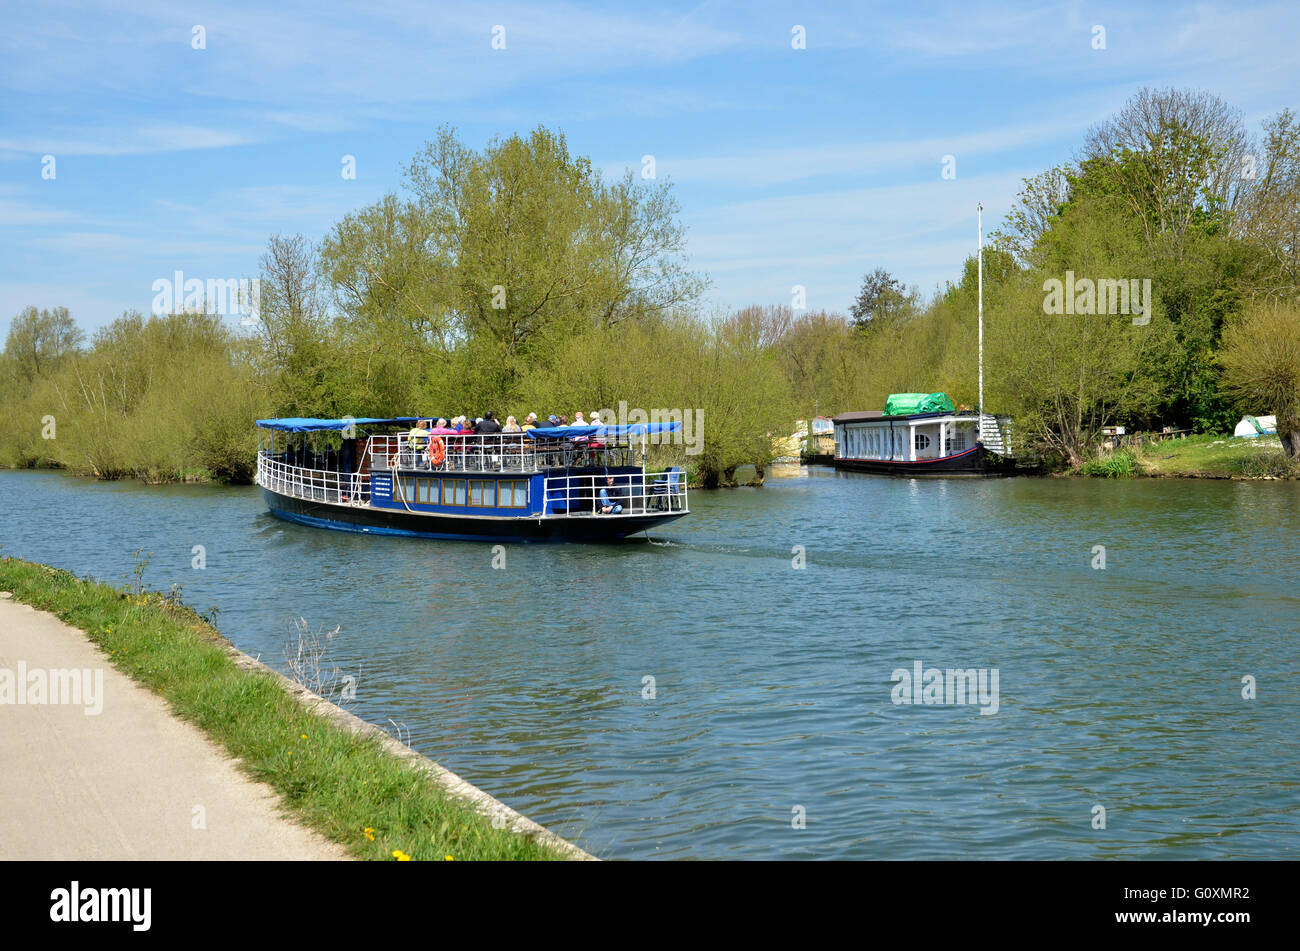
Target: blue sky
806	167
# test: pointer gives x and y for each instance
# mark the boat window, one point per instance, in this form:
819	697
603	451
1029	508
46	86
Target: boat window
956	441
453	491
513	494
482	492
426	491
922	441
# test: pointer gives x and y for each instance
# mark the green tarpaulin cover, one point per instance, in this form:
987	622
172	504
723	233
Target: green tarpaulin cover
903	404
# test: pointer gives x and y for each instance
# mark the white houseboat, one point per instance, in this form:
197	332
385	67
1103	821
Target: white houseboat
945	442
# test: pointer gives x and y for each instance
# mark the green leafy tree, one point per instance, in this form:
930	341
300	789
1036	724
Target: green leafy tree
38	341
1261	359
881	300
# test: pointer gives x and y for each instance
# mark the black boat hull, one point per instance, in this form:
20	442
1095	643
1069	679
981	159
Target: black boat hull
377	521
973	462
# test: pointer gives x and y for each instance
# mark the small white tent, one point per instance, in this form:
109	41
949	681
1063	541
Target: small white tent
1255	425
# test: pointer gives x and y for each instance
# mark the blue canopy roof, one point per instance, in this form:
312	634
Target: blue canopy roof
572	432
298	424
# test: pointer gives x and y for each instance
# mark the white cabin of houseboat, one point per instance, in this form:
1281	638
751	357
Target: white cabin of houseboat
902	439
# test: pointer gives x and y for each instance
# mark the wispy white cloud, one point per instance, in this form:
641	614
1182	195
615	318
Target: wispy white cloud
766	167
114	140
756	250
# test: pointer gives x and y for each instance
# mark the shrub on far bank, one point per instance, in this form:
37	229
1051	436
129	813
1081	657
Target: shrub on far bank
1120	464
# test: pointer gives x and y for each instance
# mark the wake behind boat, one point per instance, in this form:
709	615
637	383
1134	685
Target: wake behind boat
569	483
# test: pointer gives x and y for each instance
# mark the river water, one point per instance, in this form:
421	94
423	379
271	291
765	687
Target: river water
770	727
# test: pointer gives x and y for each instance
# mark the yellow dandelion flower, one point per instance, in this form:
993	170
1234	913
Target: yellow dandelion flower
450	858
401	856
303	735
370	833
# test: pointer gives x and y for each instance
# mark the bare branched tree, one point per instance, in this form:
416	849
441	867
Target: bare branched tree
1174	156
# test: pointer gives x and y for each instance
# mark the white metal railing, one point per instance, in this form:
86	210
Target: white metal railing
317	485
495	452
629	494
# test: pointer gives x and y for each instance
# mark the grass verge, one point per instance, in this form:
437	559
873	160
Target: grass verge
1223	457
344	786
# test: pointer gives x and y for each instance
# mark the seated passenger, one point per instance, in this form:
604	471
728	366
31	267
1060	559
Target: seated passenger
488	425
417	440
611	498
530	421
512	426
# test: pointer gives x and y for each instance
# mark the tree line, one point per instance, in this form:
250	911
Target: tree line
515	278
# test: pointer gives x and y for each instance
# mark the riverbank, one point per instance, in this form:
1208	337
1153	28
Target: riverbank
341	778
1197	457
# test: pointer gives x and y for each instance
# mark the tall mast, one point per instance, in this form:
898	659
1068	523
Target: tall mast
980	267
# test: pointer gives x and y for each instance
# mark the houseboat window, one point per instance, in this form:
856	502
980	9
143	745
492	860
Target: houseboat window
956	441
482	492
426	491
513	494
453	491
922	441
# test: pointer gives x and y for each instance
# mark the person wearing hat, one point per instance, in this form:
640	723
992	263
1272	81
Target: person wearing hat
594	445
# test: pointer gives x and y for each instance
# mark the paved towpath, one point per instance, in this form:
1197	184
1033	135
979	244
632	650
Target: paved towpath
123	784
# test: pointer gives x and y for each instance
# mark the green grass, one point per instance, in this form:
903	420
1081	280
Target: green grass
1216	456
1121	464
337	783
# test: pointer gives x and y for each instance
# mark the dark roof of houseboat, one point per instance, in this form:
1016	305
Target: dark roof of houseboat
857	417
300	424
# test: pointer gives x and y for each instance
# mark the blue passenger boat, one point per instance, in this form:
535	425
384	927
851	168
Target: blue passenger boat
570	483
